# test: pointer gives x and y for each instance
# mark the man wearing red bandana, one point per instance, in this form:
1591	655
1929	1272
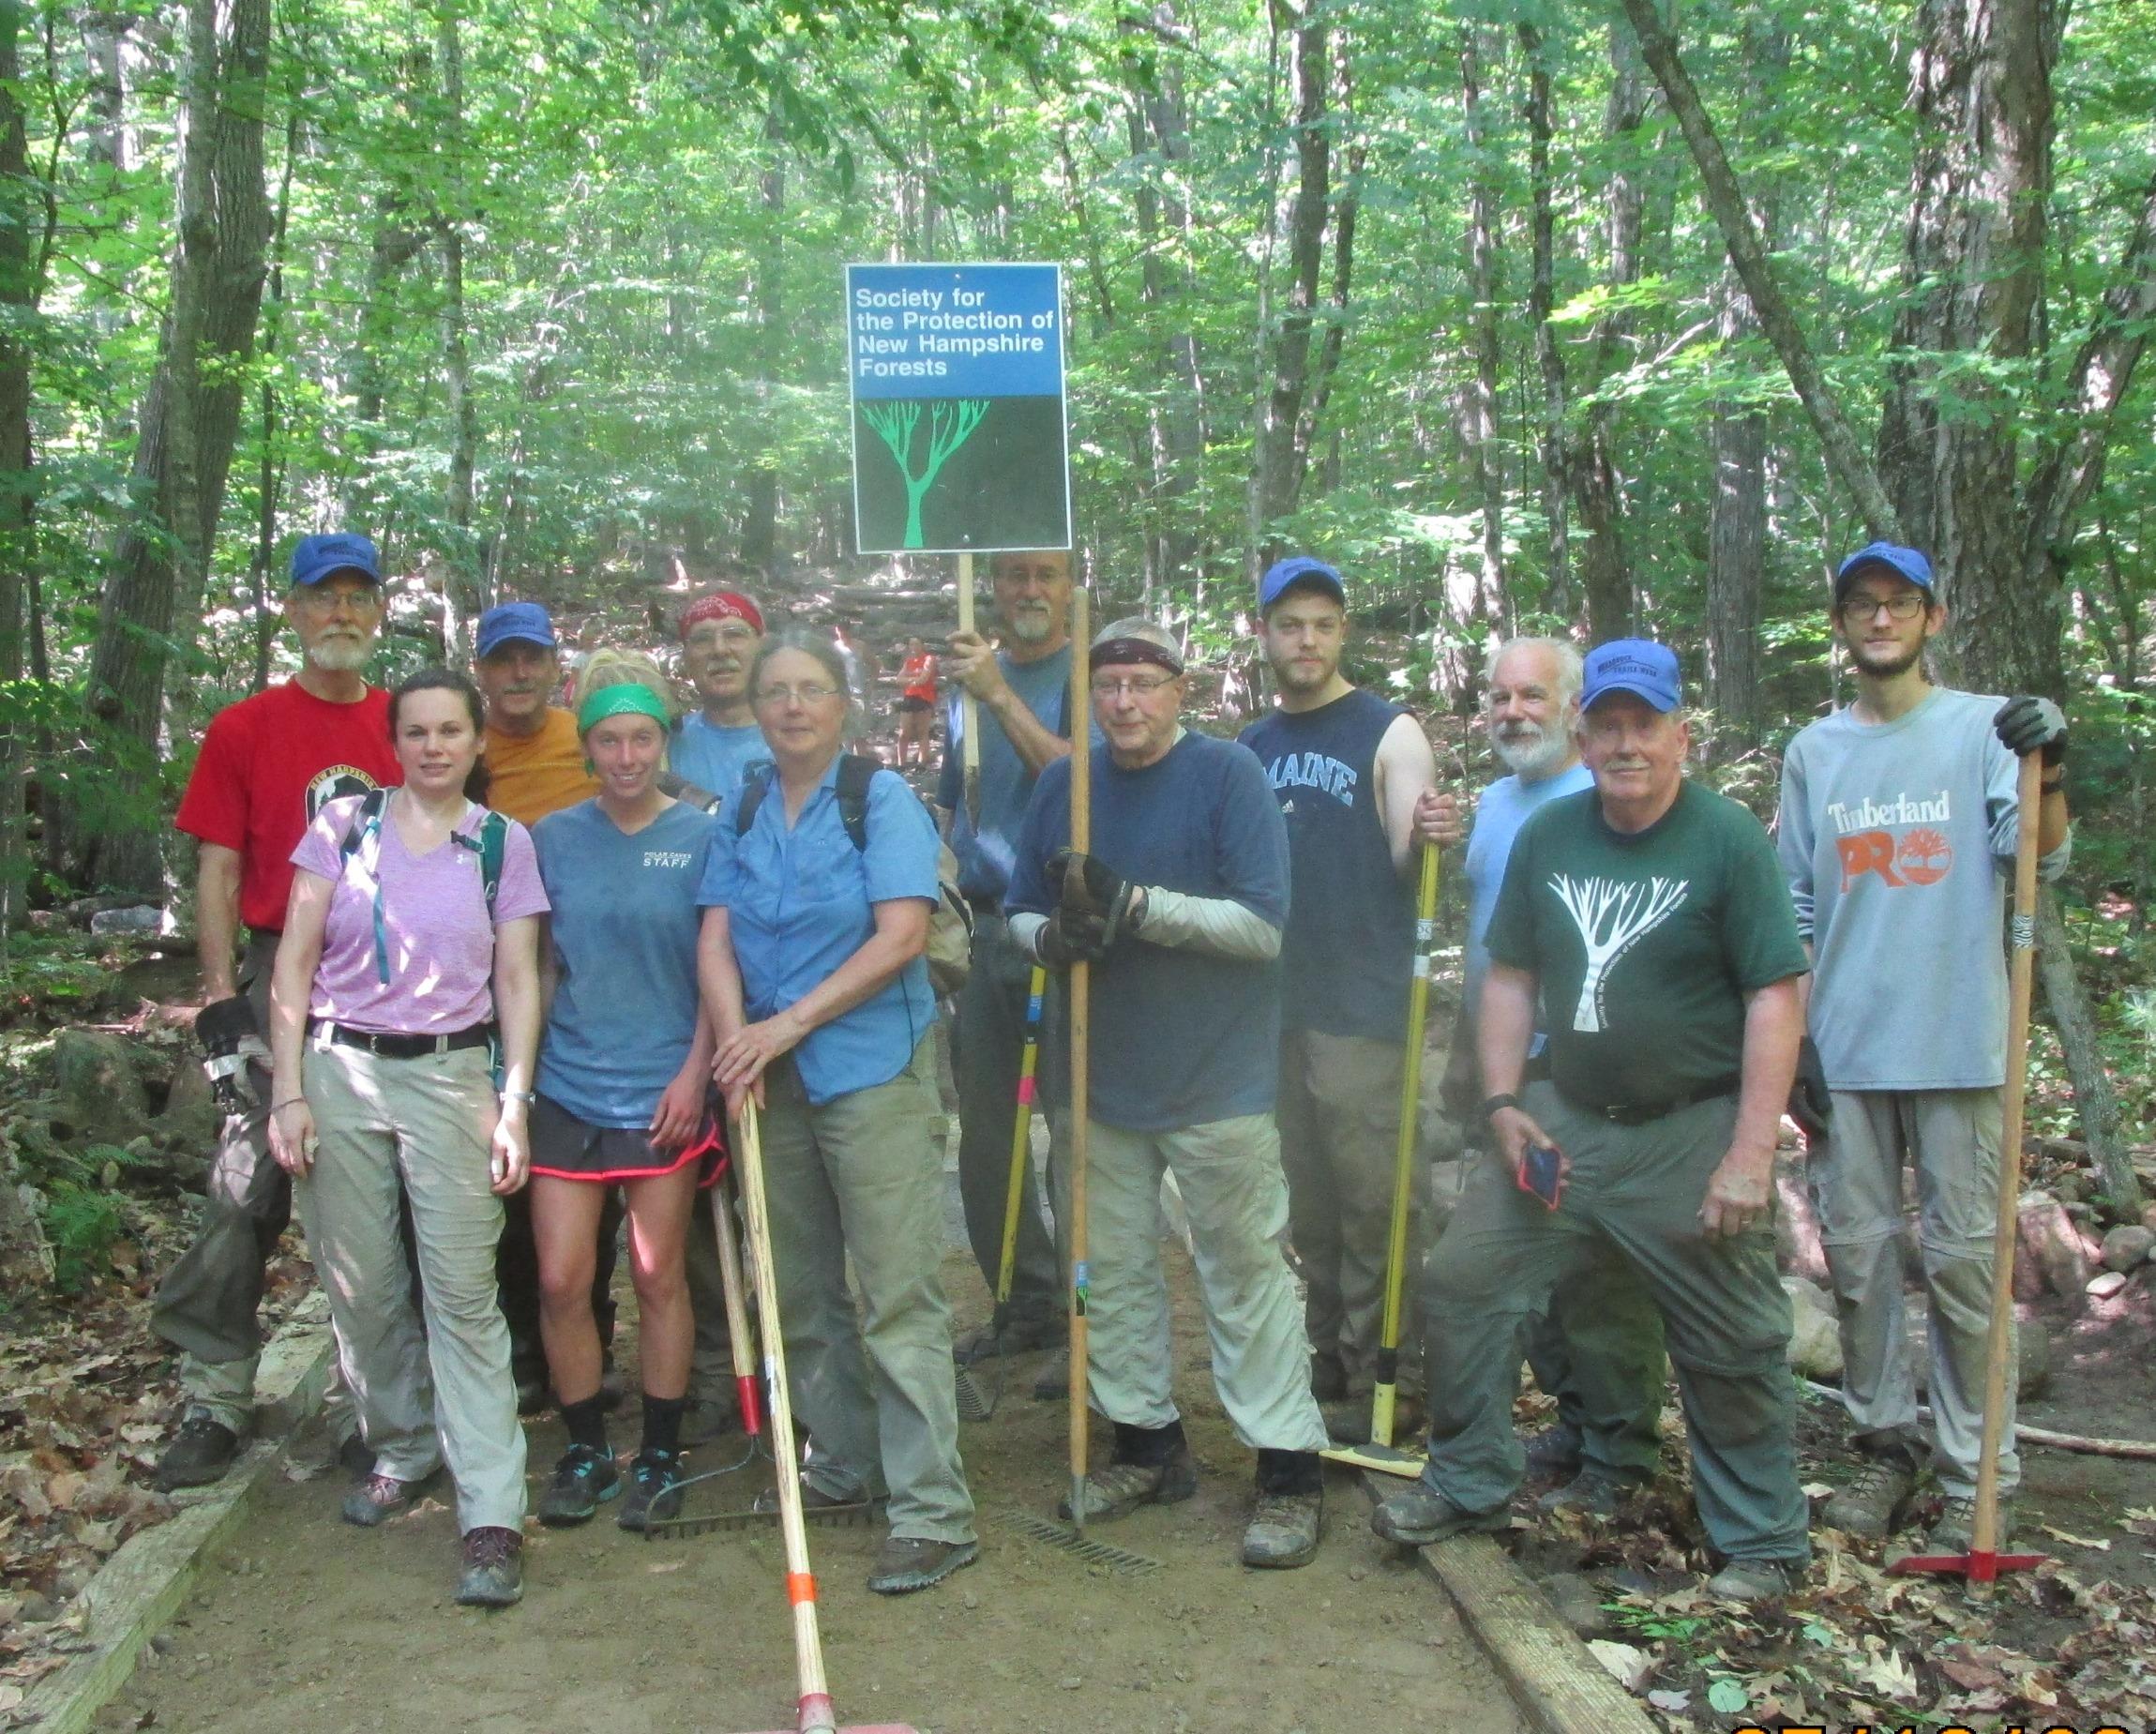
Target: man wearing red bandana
713	747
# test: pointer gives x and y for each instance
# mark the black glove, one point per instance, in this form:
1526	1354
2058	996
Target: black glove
1810	1106
2029	724
1088	883
1072	936
230	1037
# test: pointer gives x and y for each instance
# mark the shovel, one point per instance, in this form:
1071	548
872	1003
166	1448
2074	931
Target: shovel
814	1714
1981	1565
1378	1452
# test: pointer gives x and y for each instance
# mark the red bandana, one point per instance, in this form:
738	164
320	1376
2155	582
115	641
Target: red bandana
721	605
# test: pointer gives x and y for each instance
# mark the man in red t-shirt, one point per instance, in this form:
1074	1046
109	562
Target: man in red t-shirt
268	765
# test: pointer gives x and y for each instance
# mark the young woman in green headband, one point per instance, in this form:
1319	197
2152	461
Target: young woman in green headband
621	1091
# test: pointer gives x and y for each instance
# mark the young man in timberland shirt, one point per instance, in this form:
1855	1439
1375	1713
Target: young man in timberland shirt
1899	817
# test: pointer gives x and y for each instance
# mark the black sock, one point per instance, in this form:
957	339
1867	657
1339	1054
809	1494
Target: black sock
662	1422
586	1422
1150	1446
1291	1471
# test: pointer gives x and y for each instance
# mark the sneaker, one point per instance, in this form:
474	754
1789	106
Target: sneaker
199	1454
1554	1451
1417	1514
1594	1490
654	1489
1121	1488
707	1418
1020	1336
1872	1501
494	1569
1954	1530
355	1457
1052	1383
908	1562
1746	1581
378	1498
1283	1531
585	1479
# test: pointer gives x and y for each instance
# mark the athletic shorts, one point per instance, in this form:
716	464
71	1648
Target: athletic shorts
913	706
567	1148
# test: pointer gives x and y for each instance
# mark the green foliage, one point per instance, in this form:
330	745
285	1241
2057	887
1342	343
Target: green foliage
81	1224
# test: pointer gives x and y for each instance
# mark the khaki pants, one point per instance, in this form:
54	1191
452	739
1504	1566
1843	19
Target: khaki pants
426	1123
1951	1138
1339	1114
861	1177
1229	1174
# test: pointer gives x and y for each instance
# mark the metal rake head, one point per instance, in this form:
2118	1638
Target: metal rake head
853	1514
1118	1560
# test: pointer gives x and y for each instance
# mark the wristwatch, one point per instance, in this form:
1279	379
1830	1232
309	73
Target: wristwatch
1493	1104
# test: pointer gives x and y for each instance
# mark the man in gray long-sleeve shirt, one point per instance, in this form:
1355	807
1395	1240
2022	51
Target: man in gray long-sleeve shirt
1899	817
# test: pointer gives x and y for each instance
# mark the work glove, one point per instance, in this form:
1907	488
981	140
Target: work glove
1088	883
230	1037
1810	1106
1072	936
2029	724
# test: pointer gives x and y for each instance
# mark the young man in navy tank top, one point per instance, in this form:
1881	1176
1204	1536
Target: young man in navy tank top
1356	782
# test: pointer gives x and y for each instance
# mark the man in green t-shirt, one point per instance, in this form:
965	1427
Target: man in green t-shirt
1649	918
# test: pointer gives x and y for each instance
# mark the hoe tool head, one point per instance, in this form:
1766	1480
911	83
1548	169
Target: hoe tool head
1979	1568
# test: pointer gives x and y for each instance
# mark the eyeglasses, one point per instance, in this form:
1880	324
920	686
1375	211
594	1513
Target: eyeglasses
315	599
1902	604
807	692
1139	685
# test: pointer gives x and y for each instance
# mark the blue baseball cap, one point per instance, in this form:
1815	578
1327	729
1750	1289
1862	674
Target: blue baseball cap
1639	665
515	623
318	557
1296	570
1903	561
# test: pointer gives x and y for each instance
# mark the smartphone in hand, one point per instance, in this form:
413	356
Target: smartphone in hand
1541	1172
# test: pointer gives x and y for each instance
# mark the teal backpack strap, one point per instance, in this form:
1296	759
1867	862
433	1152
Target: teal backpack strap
365	829
494	847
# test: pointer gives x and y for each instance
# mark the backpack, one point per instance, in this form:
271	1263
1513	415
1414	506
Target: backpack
365	831
950	949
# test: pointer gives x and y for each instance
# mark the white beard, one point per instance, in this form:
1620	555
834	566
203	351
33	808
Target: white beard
342	657
1535	758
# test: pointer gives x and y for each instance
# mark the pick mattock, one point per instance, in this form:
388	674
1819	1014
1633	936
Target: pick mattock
815	1715
1080	1027
974	1403
1378	1452
1983	1562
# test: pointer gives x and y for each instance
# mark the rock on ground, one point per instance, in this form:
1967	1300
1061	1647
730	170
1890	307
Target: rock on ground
99	1087
2125	1247
1814	1339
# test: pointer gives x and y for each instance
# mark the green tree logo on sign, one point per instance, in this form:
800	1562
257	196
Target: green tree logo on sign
951	424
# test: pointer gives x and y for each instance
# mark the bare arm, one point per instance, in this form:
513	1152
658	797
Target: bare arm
1505	1026
290	985
518	1013
216	919
549	969
1741	1189
1406	771
974	667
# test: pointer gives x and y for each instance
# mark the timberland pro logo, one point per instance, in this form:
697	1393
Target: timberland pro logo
1903	841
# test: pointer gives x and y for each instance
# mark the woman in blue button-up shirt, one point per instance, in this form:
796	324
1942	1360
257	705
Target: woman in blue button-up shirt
812	969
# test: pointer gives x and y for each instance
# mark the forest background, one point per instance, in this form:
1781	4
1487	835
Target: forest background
1529	316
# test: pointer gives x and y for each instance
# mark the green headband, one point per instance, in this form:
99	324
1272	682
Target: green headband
630	697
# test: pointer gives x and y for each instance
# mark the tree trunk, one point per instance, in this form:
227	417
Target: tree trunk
1482	417
189	421
1344	212
760	520
1549	360
18	549
465	593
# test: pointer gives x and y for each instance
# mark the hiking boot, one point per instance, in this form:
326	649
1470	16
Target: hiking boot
1417	1514
1746	1581
1020	1336
1954	1530
814	1502
908	1562
1052	1383
1594	1490
355	1457
707	1418
494	1569
583	1479
654	1489
1283	1531
199	1454
1872	1501
1121	1488
1554	1451
1328	1378
377	1500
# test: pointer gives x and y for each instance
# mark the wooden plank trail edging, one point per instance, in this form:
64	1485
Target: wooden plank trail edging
142	1585
1559	1685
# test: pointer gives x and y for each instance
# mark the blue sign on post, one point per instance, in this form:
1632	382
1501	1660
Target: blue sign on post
959	439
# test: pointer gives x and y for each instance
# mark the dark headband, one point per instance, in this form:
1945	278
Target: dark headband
1110	650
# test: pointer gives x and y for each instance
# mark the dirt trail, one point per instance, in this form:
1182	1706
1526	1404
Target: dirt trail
305	1623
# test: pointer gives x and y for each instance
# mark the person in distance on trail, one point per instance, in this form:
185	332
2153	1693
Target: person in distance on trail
1649	916
622	1081
812	960
1356	782
1179	905
1021	696
410	960
267	766
1898	825
711	747
1599	1350
535	766
916	701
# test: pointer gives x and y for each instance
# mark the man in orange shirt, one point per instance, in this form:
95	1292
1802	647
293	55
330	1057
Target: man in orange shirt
534	761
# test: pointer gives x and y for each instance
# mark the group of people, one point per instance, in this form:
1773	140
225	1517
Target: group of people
555	991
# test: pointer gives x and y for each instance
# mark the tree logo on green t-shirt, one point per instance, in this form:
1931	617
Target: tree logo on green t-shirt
1612	918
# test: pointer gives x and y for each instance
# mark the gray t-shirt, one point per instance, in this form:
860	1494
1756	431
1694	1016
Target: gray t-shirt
985	852
1898	839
